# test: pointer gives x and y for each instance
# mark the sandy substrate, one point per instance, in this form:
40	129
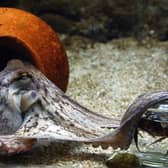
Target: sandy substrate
105	78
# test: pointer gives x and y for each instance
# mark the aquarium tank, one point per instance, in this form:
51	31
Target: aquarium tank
105	56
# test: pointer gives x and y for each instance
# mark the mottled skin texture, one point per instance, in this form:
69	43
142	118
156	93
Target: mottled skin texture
32	108
42	110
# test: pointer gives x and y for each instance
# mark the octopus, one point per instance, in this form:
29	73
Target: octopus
34	109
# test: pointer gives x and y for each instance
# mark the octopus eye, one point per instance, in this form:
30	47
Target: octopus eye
24	79
22	76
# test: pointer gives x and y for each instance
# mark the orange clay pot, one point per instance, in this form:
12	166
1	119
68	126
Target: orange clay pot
27	37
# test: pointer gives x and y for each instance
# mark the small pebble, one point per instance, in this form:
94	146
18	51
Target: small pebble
123	160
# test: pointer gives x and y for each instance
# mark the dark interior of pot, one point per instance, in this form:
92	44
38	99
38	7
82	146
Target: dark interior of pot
11	48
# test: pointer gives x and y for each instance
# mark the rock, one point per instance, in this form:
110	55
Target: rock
123	160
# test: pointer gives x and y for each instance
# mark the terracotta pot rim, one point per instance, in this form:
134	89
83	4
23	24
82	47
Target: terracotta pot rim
38	40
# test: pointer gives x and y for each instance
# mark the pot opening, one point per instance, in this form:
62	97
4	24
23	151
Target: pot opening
11	48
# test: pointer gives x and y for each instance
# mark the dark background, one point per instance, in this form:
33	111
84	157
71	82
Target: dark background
101	20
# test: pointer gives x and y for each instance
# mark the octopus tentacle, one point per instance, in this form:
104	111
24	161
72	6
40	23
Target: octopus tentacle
46	113
123	135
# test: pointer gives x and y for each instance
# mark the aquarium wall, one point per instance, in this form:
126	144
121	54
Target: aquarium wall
102	20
